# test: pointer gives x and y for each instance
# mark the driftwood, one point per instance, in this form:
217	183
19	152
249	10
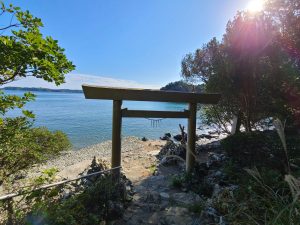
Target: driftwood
183	135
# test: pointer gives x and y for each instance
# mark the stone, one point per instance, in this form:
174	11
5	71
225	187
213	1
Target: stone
218	174
178	137
206	136
144	139
178	211
178	216
154	218
217	190
186	198
164	195
153	197
166	137
211	214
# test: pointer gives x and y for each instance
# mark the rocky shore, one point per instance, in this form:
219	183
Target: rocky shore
155	197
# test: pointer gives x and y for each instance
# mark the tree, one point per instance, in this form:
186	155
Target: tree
182	86
285	14
25	52
248	67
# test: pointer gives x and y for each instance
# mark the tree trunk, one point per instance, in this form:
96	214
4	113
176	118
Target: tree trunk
238	123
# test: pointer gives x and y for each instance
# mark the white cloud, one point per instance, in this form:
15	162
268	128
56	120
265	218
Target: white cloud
74	82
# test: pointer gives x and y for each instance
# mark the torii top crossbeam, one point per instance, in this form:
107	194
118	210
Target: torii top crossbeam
120	94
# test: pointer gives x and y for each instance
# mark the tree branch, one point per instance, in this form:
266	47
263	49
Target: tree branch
9	26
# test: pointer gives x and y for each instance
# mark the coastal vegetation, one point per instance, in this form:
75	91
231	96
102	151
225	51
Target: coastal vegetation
255	67
182	86
24	52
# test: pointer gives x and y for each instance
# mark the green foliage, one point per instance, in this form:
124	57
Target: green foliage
153	168
252	67
182	86
196	207
178	181
22	146
84	205
8	102
88	207
193	182
261	149
265	195
25	52
262	198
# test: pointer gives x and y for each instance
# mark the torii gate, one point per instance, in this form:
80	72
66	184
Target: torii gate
120	94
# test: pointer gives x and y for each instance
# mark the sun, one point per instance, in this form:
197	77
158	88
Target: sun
255	6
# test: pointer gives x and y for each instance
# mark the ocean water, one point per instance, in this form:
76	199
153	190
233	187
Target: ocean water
88	122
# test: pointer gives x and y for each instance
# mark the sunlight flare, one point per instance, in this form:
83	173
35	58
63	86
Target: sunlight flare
255	6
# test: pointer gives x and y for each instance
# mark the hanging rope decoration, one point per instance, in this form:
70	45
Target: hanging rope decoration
155	122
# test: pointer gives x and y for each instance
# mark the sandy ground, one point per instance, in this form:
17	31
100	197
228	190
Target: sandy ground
136	163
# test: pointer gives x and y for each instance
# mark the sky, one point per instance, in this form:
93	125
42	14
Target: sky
139	42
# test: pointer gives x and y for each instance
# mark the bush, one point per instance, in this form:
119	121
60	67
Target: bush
263	197
22	146
99	202
261	149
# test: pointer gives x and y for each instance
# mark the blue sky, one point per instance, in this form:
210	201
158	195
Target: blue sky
138	40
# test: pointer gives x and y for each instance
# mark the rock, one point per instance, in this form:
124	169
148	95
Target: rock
207	136
66	194
178	216
154	218
178	137
166	137
176	211
144	139
97	165
214	146
217	190
215	160
164	195
218	174
20	175
153	197
210	214
170	149
186	198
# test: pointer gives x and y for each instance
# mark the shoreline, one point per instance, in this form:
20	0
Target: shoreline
137	161
73	162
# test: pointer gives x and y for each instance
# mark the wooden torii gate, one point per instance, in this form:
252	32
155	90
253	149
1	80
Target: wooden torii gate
120	94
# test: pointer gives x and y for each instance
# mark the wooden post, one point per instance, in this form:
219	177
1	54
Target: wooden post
191	136
116	136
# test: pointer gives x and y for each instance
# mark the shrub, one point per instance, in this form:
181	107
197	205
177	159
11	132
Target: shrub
101	201
22	146
261	149
263	198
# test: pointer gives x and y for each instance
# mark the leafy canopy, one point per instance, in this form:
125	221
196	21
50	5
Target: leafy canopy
25	52
252	68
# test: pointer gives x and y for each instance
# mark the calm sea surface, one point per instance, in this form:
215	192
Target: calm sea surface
88	122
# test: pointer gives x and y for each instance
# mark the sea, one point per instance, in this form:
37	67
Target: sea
88	122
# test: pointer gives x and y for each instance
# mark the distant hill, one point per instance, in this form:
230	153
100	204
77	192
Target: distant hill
41	89
182	86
